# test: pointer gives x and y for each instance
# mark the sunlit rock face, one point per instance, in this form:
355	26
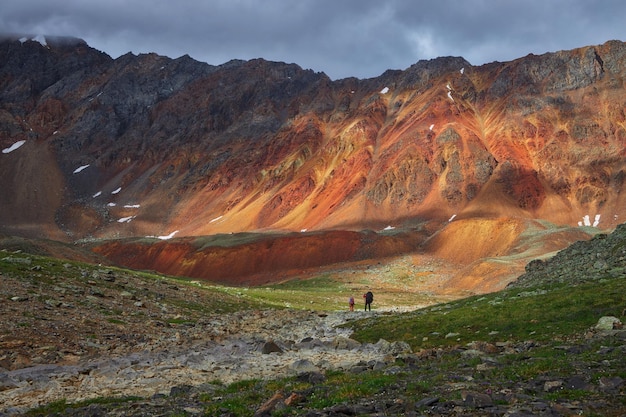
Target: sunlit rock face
152	146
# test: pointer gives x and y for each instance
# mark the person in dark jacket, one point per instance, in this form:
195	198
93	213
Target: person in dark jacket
369	297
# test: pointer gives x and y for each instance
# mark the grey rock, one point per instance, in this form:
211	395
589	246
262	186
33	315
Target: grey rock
344	343
271	347
608	323
476	399
610	384
303	365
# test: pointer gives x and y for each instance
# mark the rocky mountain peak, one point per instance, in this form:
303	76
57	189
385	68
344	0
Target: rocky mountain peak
146	145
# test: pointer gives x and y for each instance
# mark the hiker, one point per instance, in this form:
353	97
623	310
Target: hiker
369	297
351	303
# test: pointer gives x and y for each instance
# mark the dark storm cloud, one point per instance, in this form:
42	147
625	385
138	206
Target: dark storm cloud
345	38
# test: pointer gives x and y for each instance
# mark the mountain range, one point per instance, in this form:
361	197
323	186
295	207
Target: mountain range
252	167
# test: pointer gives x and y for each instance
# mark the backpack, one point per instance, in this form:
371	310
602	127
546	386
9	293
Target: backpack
369	297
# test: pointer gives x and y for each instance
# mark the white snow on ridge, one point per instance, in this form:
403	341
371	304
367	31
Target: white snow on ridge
171	235
384	90
216	219
14	146
39	38
450	95
80	168
116	190
389	228
452	218
97	194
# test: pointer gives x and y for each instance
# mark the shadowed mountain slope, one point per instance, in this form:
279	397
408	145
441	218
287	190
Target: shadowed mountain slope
151	146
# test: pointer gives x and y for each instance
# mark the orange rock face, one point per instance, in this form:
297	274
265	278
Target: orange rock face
181	148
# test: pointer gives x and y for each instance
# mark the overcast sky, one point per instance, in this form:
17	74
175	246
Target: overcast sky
342	38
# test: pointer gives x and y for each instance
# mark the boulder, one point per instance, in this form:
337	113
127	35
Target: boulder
302	366
271	347
608	323
344	343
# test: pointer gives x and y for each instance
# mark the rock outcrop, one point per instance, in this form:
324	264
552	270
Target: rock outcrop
148	145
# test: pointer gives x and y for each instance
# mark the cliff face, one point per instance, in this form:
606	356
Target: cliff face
148	145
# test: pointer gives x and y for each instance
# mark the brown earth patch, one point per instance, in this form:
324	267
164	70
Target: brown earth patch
467	240
251	259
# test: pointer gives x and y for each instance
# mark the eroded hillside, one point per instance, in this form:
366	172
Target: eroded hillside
148	146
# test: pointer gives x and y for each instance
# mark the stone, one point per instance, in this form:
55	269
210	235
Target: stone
303	365
608	384
551	386
266	409
311	377
344	343
476	399
608	323
294	399
7	382
270	347
426	402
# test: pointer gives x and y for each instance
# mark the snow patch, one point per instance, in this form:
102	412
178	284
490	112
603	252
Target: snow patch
384	90
80	168
587	221
452	218
97	194
302	230
431	127
596	221
448	87
126	219
14	146
216	219
117	190
450	95
462	70
41	39
111	205
171	235
132	206
389	228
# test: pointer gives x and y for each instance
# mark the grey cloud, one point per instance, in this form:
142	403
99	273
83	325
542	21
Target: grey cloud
342	38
